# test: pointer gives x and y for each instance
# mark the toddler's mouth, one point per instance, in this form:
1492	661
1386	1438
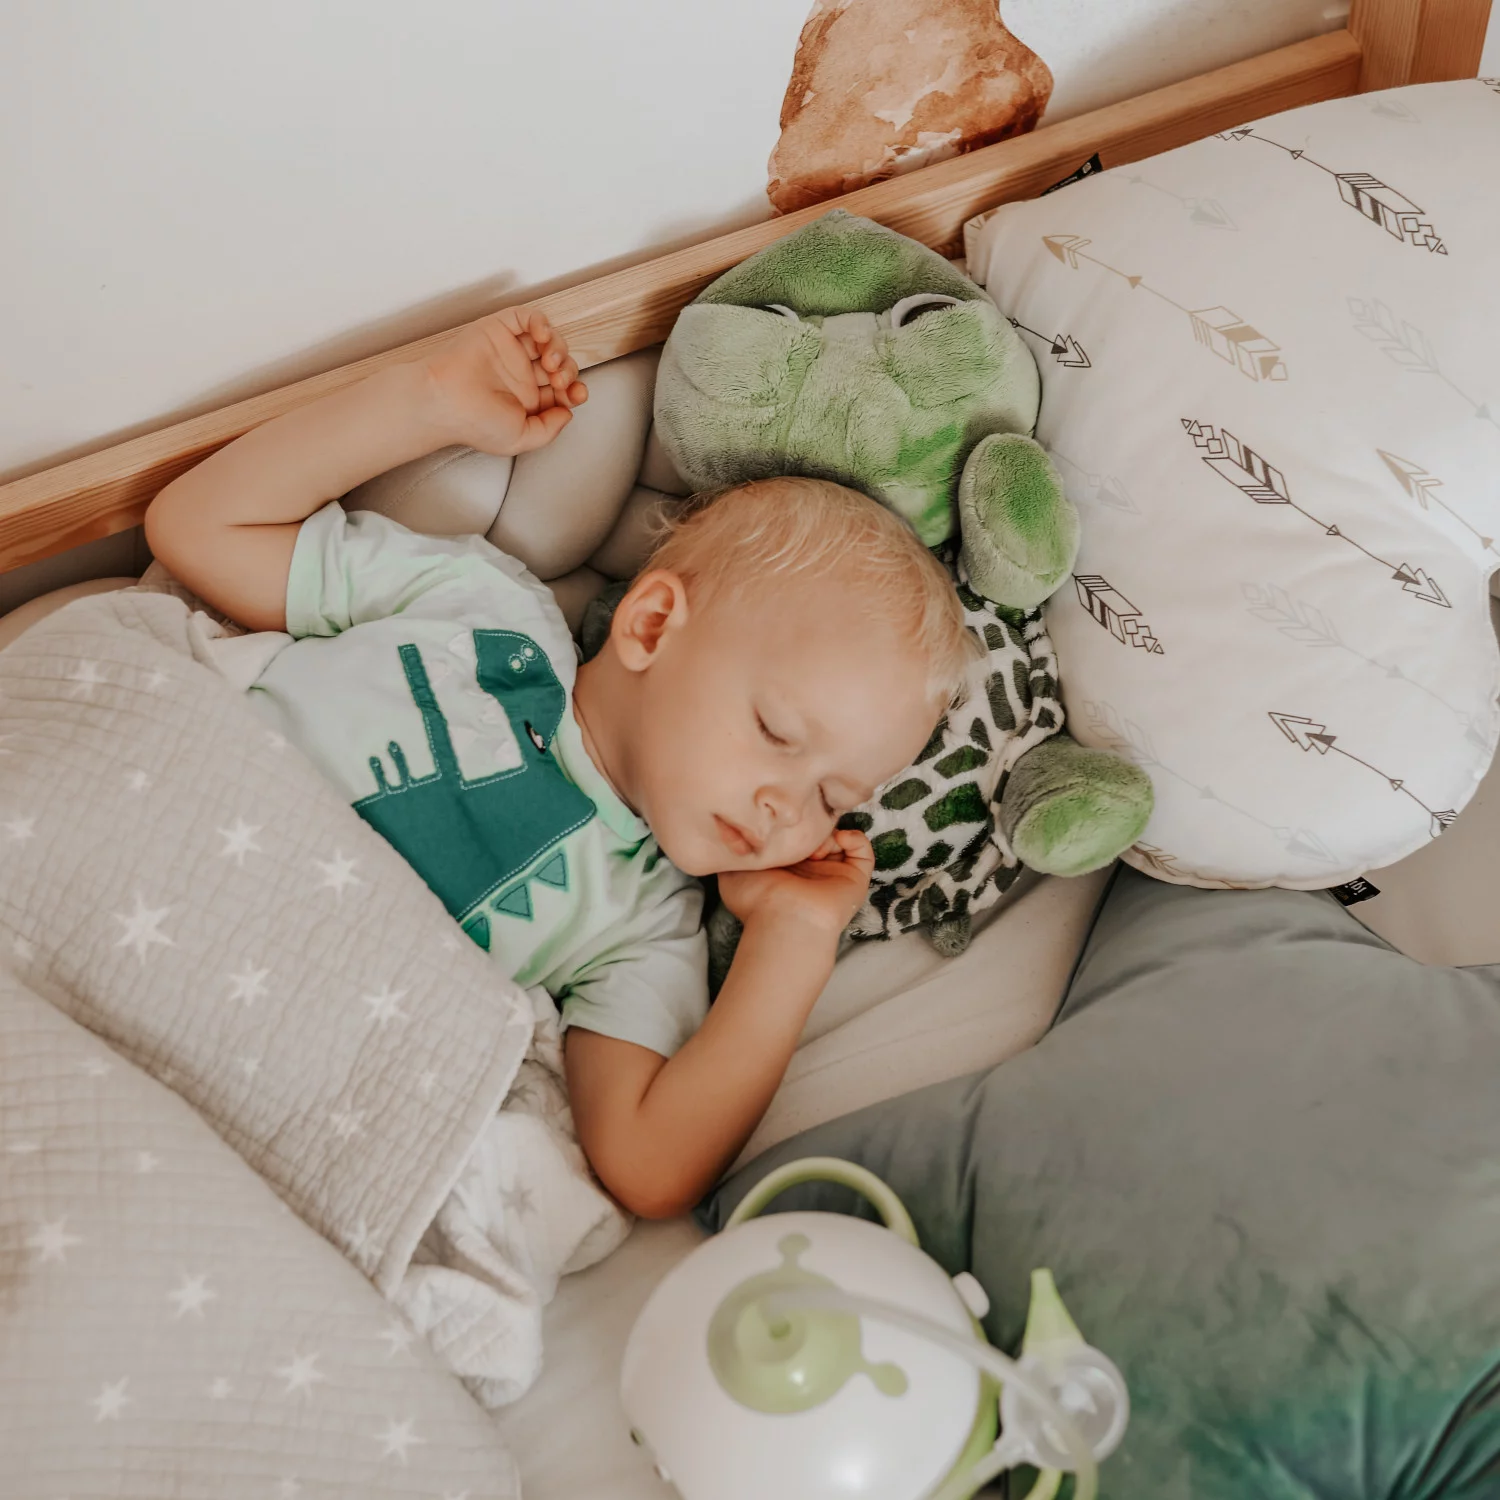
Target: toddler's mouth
735	839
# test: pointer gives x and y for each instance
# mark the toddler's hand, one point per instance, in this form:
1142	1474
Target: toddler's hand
505	384
824	891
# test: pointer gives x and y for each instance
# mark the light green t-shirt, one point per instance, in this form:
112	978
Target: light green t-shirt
430	679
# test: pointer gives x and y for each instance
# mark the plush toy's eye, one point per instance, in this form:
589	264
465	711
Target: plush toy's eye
909	309
785	311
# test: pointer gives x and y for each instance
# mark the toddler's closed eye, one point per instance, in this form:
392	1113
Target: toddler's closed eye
774	739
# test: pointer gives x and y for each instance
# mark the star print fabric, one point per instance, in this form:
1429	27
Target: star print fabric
230	1015
173	1329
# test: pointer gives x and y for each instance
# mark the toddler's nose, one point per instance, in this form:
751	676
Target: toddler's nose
777	808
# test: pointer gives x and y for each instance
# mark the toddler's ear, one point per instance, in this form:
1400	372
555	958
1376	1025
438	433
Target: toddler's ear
655	607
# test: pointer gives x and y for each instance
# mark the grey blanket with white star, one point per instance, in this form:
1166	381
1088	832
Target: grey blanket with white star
218	989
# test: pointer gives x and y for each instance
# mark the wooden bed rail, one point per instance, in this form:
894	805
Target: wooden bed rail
1417	41
1389	41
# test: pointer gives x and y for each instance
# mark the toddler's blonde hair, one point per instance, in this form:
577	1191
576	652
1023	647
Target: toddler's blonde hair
734	542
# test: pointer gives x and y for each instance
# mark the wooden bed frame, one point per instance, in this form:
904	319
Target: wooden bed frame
1387	43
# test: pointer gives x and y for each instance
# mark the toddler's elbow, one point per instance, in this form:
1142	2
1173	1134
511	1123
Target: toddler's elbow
153	526
648	1196
653	1203
161	525
640	1164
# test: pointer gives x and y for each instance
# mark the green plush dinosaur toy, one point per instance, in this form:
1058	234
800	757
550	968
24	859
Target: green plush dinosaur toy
849	352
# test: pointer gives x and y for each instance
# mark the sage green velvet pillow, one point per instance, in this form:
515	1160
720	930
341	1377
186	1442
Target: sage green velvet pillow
1260	1150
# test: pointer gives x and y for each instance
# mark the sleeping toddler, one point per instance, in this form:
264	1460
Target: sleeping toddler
788	648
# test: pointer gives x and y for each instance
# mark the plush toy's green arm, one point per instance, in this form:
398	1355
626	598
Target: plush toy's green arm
1067	810
1020	531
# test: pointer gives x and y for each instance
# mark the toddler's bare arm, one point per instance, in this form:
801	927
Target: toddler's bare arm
659	1131
227	527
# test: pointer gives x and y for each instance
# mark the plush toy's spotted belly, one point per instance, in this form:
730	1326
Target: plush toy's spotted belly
939	851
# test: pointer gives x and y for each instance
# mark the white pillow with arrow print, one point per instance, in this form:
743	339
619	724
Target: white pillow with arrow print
1271	382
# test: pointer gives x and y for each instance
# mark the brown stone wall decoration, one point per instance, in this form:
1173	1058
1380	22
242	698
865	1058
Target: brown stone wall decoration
880	87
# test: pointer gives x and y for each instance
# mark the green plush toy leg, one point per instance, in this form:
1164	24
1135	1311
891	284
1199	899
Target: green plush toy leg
1067	810
1020	531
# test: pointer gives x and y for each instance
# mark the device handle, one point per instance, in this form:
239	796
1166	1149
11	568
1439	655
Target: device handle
892	1211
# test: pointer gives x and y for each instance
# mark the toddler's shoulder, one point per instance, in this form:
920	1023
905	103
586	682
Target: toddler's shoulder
463	578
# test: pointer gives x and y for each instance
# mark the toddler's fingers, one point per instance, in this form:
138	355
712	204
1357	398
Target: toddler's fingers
856	848
541	427
569	392
515	320
527	323
529	327
548	393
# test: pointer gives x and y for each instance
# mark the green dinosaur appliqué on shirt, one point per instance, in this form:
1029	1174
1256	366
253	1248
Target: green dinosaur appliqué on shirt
466	838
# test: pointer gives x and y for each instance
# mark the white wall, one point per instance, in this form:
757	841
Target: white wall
200	199
1103	50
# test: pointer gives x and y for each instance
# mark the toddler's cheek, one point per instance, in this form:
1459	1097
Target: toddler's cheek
797	848
690	851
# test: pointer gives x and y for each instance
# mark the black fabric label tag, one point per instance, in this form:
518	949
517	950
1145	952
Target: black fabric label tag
1092	165
1354	892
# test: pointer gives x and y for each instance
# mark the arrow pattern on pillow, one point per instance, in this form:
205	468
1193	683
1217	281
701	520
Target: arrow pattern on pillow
1218	329
1392	108
1206	213
1249	473
1063	347
1373	199
1161	862
1303	622
1107	489
1164	865
1422	486
1308	734
1108	727
1115	612
1406	345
